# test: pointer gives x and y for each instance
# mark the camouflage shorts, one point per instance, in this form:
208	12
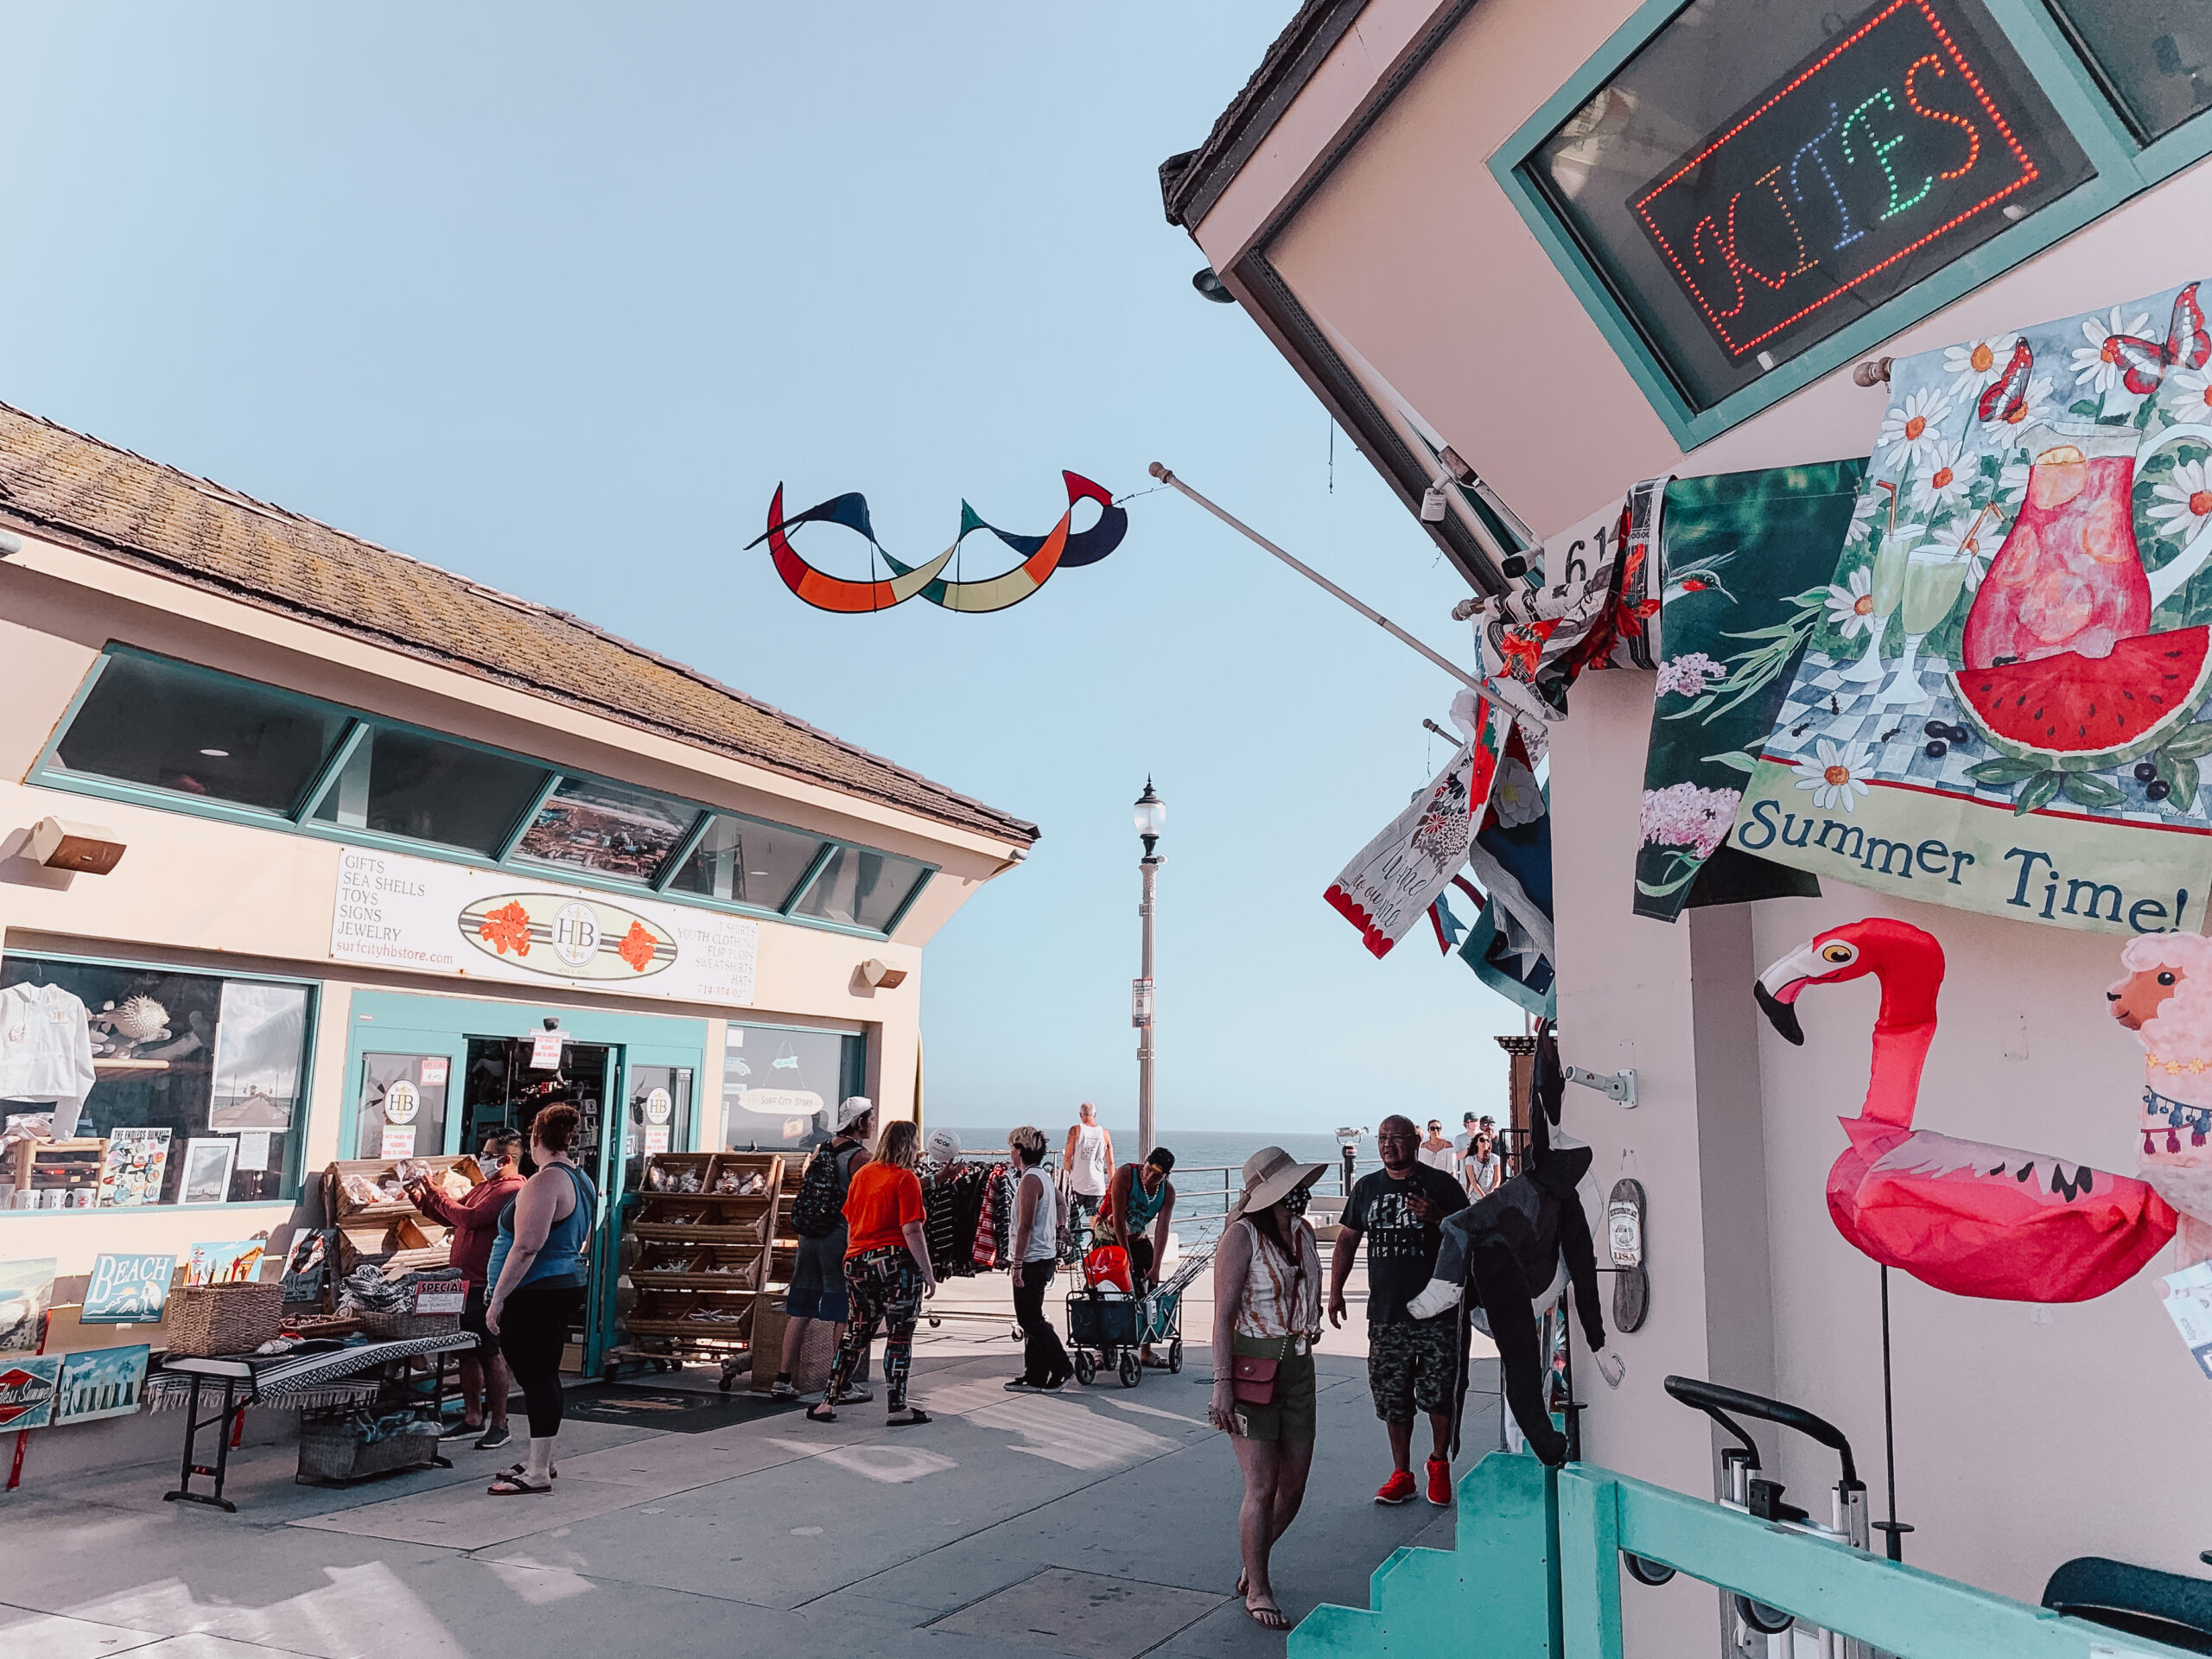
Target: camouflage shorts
1412	1365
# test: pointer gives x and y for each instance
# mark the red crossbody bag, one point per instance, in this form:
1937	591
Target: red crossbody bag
1252	1376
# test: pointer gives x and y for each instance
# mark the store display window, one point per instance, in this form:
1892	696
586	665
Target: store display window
197	1082
610	829
2154	57
398	782
402	1106
659	1119
168	726
862	889
747	863
781	1084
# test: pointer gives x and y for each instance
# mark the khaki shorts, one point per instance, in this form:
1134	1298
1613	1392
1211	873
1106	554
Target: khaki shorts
1292	1415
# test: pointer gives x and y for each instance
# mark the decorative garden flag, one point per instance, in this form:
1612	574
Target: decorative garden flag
1510	947
1061	548
1386	891
1747	565
1999	707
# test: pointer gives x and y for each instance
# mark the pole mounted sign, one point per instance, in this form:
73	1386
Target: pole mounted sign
1140	1003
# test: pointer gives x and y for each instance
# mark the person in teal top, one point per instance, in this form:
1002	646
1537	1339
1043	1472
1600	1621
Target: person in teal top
1140	1197
536	1275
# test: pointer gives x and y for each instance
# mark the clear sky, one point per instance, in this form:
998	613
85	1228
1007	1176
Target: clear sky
555	297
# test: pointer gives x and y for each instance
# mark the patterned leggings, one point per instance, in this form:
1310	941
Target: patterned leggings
885	1286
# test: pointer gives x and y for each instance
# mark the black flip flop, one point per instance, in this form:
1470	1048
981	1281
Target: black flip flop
918	1418
822	1413
505	1485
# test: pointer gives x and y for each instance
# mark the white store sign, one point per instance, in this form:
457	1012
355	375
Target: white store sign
396	911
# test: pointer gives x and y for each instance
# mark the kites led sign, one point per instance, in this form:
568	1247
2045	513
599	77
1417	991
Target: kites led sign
1878	145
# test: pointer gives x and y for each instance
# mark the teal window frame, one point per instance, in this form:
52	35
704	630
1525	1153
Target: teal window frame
2125	168
49	773
295	1154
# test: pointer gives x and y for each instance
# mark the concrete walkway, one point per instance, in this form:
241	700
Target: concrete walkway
1099	1523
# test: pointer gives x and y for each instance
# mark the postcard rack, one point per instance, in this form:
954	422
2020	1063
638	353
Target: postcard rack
389	1233
697	1240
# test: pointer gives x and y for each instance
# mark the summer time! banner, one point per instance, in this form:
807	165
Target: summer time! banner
1747	565
2000	708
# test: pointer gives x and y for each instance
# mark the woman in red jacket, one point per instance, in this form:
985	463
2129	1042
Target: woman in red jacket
484	1384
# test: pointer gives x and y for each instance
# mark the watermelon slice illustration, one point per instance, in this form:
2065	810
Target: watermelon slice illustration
2091	713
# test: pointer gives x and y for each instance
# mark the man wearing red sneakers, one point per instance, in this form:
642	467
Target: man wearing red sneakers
1411	1363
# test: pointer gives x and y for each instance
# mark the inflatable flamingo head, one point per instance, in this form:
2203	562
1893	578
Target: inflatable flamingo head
1908	960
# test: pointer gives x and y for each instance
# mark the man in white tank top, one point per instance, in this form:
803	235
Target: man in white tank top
1089	1162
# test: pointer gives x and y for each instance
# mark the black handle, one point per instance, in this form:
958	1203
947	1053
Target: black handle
1713	1397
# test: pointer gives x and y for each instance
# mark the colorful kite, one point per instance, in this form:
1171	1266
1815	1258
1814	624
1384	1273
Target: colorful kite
1058	549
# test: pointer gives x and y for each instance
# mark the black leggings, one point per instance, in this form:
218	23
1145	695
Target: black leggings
1044	1359
533	1329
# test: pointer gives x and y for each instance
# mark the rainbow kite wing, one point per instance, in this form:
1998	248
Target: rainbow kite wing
1040	554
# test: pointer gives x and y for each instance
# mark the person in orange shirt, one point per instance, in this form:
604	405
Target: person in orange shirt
887	1272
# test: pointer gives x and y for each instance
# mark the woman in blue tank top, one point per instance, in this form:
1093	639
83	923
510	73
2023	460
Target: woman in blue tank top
537	1279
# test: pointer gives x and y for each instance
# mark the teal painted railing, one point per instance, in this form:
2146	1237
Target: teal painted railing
1536	1575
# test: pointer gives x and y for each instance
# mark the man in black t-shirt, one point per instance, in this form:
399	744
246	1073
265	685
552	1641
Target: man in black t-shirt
1411	1363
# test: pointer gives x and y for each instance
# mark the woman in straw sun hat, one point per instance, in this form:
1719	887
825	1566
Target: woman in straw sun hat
1268	1313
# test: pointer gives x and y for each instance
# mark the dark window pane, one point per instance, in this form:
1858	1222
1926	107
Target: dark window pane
610	830
781	1087
148	721
1759	176
402	783
195	1075
859	889
2154	55
746	863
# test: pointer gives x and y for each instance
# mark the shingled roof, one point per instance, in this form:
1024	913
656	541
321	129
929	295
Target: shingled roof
65	487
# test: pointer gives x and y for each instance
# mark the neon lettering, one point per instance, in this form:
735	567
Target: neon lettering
1881	148
1973	137
1812	146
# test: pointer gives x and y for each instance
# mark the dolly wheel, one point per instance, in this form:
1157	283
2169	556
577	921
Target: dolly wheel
1175	1357
1085	1368
1131	1371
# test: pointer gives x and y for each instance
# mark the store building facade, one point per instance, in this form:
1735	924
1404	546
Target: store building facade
1451	218
384	834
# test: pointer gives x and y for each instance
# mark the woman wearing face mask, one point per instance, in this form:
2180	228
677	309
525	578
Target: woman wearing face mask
1268	1308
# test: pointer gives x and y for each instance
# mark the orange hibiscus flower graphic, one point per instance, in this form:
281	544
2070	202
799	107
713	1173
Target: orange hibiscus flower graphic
637	948
506	929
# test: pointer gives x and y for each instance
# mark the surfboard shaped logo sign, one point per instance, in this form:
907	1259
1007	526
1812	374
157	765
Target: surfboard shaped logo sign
565	937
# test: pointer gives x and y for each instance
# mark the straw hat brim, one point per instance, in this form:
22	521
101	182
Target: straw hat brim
1278	1185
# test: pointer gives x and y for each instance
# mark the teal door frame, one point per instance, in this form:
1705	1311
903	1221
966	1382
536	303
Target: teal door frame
397	1022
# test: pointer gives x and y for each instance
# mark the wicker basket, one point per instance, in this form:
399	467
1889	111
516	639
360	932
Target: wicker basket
208	1319
404	1323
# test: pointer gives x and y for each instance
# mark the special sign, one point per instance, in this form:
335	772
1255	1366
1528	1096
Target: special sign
1884	142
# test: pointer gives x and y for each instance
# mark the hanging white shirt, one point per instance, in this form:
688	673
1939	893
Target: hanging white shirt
45	1051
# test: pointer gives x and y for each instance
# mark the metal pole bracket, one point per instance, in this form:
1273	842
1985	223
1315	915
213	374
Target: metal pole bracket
1618	1086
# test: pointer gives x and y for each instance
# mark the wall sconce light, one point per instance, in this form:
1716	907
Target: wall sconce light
61	845
881	975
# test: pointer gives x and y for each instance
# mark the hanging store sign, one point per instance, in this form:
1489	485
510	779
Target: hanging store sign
397	911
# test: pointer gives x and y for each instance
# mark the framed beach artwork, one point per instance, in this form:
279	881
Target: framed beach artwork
28	1386
208	1160
128	1289
101	1382
233	1263
26	1288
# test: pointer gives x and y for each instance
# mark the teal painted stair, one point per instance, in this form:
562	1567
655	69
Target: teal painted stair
1489	1597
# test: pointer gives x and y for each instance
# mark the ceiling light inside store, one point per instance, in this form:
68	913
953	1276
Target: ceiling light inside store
216	754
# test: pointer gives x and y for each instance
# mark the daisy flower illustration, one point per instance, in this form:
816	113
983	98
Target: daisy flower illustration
1972	536
1979	359
1836	776
2183	503
1870	502
2096	367
2187	394
1944	479
1908	431
1851	603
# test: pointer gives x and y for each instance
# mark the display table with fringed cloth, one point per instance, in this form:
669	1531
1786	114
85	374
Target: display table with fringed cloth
329	1378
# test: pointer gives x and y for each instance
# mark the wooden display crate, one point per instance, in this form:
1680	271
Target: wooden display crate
691	1247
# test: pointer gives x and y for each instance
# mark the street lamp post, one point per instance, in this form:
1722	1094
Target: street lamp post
1151	818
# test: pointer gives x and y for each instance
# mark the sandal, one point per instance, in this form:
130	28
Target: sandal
822	1411
507	1485
516	1471
1267	1616
915	1417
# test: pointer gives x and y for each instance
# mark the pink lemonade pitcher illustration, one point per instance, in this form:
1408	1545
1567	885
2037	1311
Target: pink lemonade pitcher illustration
2069	577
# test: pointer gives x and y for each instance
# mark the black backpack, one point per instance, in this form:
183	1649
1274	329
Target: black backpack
818	1210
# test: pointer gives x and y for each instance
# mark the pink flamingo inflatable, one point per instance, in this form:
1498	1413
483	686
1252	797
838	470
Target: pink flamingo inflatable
1966	1217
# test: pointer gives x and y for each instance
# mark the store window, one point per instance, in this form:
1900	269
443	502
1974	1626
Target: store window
1758	177
658	1117
403	782
2153	56
747	863
402	1106
199	1085
168	726
780	1084
610	829
862	889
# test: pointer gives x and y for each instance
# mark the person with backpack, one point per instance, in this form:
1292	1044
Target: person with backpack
1039	1220
818	1289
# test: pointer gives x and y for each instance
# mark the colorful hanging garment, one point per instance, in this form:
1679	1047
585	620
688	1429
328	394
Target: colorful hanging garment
1747	558
1387	889
1591	607
1510	948
1061	548
1999	707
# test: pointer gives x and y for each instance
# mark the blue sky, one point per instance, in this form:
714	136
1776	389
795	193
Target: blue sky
555	297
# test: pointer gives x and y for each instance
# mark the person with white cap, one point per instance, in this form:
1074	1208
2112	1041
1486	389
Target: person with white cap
1266	1318
818	1289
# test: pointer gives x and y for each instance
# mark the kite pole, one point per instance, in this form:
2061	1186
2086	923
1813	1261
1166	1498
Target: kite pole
1316	577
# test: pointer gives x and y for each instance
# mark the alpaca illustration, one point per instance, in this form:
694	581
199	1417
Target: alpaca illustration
2166	1000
